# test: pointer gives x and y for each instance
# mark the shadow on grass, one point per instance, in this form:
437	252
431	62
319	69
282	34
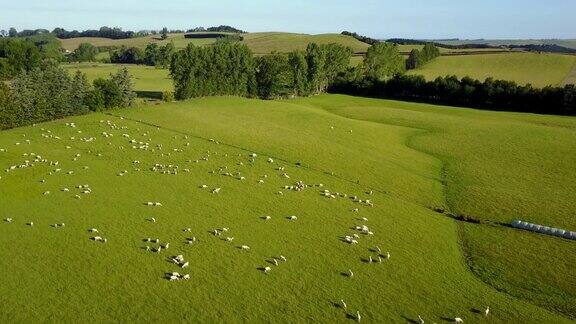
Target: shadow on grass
409	320
150	94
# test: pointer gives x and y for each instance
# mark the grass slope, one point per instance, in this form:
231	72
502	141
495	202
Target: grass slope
570	43
178	40
537	69
264	43
81	280
259	43
498	167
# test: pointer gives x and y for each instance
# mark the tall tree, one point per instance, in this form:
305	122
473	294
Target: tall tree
383	61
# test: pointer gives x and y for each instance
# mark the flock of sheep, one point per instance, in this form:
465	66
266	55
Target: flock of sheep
154	245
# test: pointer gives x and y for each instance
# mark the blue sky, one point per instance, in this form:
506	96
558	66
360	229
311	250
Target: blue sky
383	18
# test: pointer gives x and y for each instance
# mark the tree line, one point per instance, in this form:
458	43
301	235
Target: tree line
466	92
17	54
47	92
231	69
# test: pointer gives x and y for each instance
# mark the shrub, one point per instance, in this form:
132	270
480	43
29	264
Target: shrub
167	96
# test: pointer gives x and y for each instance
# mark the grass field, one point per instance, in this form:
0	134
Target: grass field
264	43
537	69
259	43
178	40
570	43
146	78
411	155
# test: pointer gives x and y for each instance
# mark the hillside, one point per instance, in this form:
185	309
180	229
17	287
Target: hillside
403	157
539	70
259	43
569	43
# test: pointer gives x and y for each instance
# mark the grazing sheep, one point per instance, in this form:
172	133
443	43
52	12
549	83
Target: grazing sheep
343	304
93	230
245	247
186	277
487	311
420	319
267	218
185	265
365	219
458	320
216	190
157	241
229	239
283	258
293	217
350	273
267	269
387	255
275	262
174	278
370	259
358	317
225	229
8	220
153	220
377	248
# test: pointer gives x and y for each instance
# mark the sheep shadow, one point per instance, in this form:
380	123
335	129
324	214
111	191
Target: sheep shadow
262	269
475	310
345	274
409	320
263	218
351	316
447	319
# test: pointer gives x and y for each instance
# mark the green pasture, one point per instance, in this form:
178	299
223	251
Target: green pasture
403	157
540	70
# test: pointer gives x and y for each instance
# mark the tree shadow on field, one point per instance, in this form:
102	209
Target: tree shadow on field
409	320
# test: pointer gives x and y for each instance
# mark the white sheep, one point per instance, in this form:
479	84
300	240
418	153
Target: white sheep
229	239
458	320
245	247
358	317
343	304
186	277
93	230
174	278
283	258
487	311
267	269
185	265
350	273
420	319
216	190
293	217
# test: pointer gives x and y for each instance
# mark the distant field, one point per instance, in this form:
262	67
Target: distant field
261	43
537	69
146	78
570	43
178	40
409	48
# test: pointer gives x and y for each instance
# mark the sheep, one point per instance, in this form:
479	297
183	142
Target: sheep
166	246
245	247
96	238
156	241
365	219
370	259
186	277
187	229
283	258
157	204
93	230
147	248
216	190
229	239
174	278
268	218
487	311
153	220
343	304
350	273
8	220
377	248
270	160
225	229
358	317
420	319
458	320
275	261
267	269
387	255
185	265
293	217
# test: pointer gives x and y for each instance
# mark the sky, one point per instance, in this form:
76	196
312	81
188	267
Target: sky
422	19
